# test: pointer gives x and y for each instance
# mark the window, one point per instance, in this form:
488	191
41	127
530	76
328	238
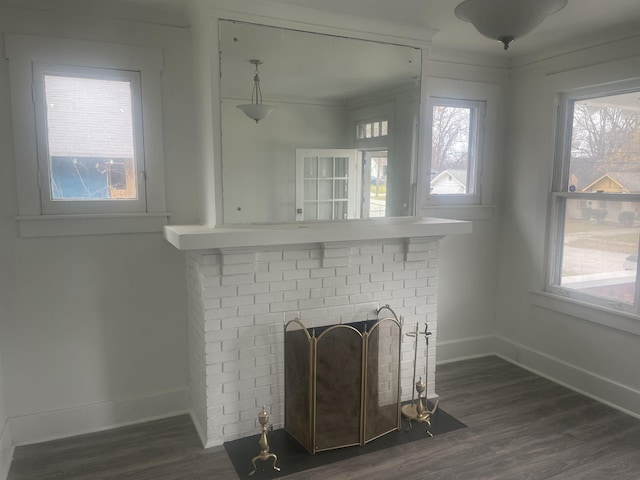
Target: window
595	226
88	136
455	136
372	129
88	125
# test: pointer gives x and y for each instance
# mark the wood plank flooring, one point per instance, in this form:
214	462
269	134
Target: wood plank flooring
521	427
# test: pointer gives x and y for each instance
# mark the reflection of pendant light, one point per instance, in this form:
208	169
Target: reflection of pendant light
506	20
256	110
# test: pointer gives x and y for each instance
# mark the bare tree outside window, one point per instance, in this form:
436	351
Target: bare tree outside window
453	147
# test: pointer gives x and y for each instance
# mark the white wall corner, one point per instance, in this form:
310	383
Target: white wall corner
202	431
6	450
54	424
465	348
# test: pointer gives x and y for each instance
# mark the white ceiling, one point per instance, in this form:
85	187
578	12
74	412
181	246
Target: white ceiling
581	23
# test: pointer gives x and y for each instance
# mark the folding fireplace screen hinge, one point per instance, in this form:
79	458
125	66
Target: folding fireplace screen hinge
342	382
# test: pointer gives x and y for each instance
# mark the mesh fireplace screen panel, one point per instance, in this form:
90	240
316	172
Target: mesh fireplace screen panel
297	357
338	386
342	382
383	381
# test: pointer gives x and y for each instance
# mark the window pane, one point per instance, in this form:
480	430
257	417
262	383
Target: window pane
90	138
376	129
325	211
367	130
384	128
341	189
600	248
325	190
360	132
340	211
310	190
311	167
605	145
325	167
342	167
309	211
451	150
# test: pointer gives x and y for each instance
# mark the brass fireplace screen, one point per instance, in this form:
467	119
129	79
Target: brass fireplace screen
342	383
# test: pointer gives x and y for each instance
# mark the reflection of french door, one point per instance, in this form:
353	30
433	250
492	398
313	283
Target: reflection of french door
326	184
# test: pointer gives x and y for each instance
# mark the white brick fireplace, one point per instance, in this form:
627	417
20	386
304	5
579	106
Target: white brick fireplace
241	297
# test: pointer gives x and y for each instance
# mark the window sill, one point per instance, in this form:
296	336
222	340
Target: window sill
67	225
459	212
602	316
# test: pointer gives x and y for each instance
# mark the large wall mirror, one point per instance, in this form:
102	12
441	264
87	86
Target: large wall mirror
342	142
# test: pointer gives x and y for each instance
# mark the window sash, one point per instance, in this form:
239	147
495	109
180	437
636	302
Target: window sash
560	196
114	206
476	149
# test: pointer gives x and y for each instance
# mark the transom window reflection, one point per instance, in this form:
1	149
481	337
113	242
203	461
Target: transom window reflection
374	129
598	203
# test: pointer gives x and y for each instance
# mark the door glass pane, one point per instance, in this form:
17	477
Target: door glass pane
340	210
309	211
605	145
90	138
341	189
600	248
342	166
311	167
325	167
325	190
310	190
325	211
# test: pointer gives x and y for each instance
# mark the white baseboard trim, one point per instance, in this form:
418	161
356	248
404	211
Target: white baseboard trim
202	433
67	422
6	450
604	390
464	349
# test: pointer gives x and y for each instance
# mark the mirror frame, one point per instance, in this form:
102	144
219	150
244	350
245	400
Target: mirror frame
308	20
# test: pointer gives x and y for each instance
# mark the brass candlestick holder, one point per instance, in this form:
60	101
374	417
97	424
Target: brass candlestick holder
418	410
263	418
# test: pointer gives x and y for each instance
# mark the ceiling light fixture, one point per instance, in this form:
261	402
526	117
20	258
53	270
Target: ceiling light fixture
506	20
256	110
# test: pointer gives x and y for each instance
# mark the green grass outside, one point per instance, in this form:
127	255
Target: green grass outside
379	189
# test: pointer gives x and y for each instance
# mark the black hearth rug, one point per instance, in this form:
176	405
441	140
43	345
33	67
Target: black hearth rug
292	457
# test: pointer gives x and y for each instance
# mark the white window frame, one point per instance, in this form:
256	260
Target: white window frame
464	207
476	140
26	54
560	195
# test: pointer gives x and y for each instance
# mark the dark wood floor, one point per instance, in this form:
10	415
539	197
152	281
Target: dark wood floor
521	427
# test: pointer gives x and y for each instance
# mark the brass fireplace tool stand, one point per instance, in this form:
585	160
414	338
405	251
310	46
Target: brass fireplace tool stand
419	411
263	418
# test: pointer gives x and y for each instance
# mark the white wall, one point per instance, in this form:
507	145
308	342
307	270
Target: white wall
6	442
598	360
259	163
94	329
469	263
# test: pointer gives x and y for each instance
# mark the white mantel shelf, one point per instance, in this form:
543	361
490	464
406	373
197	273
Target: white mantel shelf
201	237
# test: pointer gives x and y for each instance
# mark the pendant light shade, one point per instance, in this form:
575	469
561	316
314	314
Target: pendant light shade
256	110
506	20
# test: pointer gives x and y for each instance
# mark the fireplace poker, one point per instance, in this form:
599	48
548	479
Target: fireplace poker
419	411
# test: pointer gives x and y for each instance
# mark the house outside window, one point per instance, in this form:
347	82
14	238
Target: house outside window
595	202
